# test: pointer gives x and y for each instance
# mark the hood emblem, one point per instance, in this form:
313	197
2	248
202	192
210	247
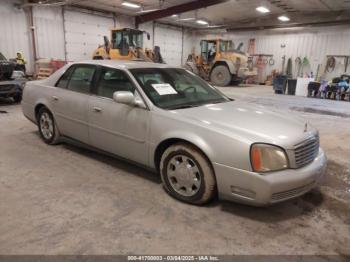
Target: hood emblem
305	128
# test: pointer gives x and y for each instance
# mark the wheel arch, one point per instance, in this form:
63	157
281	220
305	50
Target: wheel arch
229	64
37	109
166	143
40	105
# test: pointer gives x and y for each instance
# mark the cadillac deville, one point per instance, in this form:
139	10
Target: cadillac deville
201	142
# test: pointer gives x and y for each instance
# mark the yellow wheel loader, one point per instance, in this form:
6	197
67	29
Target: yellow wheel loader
127	44
220	62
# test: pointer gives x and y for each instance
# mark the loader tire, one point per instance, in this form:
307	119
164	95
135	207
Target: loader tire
220	76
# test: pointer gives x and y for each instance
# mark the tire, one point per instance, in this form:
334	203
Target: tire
45	119
194	182
17	98
220	76
236	81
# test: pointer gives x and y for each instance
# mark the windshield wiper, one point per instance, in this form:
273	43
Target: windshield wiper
196	104
183	106
217	101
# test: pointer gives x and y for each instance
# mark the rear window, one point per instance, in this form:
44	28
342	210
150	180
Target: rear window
81	79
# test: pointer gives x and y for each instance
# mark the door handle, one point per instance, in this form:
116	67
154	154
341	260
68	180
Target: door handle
97	109
54	98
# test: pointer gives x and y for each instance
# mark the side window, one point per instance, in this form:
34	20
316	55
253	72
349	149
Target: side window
113	80
116	39
63	81
81	78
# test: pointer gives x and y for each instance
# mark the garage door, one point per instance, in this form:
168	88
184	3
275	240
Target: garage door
170	42
84	32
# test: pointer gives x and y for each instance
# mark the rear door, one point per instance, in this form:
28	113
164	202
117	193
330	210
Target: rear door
70	102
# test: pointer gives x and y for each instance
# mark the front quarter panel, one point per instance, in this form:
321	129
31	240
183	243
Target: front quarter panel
218	146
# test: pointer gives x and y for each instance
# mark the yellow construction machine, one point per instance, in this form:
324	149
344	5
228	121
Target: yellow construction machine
220	62
127	44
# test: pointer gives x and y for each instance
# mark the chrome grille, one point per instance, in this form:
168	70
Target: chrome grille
306	151
5	87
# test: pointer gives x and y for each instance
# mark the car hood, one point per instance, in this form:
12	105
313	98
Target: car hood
251	123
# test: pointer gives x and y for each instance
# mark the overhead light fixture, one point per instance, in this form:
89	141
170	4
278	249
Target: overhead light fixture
283	18
215	26
262	9
175	16
131	5
201	22
146	11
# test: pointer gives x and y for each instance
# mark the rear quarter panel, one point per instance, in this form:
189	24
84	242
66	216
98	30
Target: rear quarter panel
39	92
35	93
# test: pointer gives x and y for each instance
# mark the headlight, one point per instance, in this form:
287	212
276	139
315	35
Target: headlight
265	158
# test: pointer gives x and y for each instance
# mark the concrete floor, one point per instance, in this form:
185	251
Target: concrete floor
67	200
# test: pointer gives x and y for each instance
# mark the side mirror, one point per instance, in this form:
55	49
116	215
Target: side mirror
148	36
128	98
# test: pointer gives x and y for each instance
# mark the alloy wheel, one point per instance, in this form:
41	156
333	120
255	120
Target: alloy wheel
184	175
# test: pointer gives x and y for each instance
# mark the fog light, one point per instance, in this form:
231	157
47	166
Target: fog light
243	192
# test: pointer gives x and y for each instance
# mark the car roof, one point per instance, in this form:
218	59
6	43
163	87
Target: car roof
120	64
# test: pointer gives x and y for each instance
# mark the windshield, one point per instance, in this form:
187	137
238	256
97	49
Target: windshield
127	38
226	46
172	88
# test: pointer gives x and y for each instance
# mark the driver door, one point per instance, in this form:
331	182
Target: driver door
114	127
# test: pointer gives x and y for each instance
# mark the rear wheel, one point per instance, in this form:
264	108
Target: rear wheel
220	76
47	127
187	174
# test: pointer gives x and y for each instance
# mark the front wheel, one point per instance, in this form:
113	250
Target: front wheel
47	127
220	76
187	174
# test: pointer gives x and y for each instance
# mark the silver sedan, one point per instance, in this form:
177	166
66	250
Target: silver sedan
167	119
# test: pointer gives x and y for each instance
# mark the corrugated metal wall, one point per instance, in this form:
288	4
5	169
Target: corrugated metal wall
313	43
124	21
83	33
148	27
188	44
72	34
169	39
173	41
80	33
15	34
48	22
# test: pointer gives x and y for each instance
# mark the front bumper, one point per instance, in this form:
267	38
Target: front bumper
263	189
8	89
245	72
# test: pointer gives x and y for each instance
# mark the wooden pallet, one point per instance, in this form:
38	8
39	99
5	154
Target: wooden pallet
44	73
